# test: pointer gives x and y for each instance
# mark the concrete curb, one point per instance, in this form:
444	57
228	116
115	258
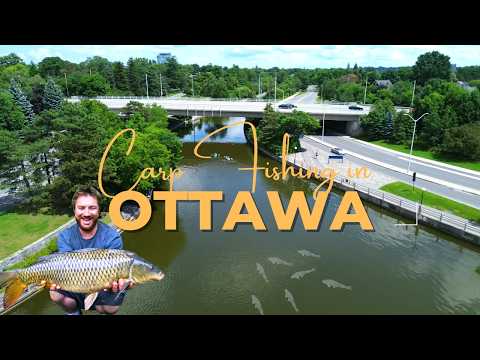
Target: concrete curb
433	162
402	171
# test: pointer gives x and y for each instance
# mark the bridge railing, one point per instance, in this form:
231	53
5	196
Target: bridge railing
170	98
425	211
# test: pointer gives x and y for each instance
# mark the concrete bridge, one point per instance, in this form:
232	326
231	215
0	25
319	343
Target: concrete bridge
244	108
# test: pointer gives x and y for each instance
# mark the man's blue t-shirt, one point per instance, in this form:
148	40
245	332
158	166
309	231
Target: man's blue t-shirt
106	237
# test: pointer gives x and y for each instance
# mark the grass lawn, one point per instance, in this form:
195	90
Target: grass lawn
19	230
432	200
472	165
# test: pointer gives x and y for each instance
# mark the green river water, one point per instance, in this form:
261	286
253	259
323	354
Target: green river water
392	270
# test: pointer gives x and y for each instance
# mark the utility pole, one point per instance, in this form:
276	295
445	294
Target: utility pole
413	93
275	88
259	86
161	86
146	82
66	83
365	93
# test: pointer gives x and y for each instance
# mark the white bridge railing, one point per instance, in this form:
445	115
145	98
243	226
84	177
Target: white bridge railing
428	212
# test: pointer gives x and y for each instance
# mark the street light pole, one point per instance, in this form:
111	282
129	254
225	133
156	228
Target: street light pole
66	83
323	125
193	90
146	83
413	137
321	94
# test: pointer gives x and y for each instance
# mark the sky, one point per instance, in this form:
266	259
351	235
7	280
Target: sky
264	56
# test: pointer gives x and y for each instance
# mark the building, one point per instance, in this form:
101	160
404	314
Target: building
465	85
162	58
383	83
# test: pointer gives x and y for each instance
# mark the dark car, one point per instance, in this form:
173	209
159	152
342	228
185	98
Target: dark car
355	107
286	106
338	151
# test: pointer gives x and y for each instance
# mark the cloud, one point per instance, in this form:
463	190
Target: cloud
39	54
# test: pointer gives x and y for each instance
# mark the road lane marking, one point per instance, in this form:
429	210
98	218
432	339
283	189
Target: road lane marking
441	169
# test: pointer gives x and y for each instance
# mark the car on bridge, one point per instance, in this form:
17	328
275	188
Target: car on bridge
338	151
355	107
287	106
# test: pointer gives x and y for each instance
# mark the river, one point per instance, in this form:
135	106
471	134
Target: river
392	270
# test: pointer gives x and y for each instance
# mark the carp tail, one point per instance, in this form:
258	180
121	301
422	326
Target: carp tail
14	288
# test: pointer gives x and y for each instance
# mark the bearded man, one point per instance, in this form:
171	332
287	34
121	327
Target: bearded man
88	232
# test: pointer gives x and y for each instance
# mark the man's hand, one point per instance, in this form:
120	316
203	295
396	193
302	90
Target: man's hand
120	284
52	286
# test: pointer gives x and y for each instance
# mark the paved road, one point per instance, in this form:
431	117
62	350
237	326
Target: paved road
440	172
239	108
308	97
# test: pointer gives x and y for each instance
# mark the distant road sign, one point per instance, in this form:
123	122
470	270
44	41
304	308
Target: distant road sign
335	157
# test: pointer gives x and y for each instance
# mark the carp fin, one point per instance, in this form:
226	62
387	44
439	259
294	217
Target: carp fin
46	258
13	291
89	300
85	250
6	277
124	289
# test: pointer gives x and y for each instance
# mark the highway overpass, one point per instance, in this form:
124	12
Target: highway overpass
244	108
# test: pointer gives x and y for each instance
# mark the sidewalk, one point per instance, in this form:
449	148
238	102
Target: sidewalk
402	170
317	157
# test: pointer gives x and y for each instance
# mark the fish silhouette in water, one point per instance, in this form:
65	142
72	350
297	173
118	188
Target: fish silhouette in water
278	261
289	297
257	304
261	271
308	253
335	284
301	274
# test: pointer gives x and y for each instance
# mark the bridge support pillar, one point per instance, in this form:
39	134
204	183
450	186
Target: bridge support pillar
353	128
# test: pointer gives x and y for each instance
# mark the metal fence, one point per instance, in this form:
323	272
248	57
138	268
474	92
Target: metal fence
425	211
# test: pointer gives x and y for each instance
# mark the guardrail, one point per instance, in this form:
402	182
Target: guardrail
171	98
425	211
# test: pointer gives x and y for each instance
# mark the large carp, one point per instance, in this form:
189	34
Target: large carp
84	271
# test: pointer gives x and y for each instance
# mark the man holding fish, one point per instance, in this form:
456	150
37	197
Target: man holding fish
88	232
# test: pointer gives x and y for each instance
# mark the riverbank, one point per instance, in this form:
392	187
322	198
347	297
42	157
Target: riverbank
20	230
450	224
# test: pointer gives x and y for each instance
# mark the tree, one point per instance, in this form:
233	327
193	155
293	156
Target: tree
10	59
375	123
51	66
268	129
11	116
432	65
462	142
402	128
21	100
120	80
52	96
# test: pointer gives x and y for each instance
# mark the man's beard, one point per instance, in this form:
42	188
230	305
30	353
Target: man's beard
90	224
